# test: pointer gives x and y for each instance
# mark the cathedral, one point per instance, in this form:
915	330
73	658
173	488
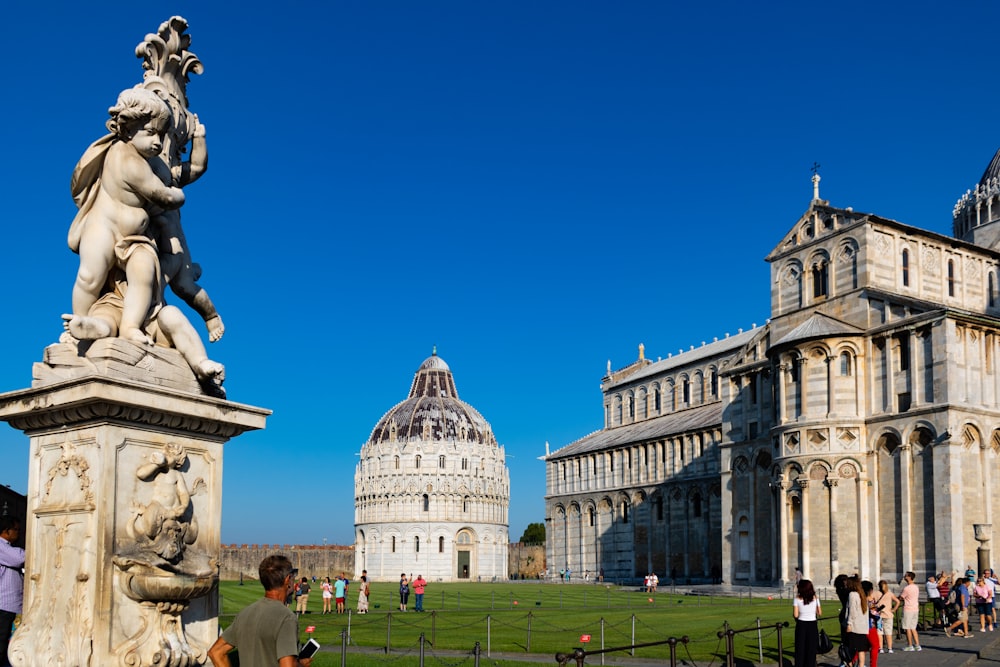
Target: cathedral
432	490
858	430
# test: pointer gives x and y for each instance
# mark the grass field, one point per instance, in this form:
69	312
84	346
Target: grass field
515	619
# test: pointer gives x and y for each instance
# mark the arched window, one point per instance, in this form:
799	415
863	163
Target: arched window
393	544
656	400
845	363
696	505
951	277
397	463
418	460
416	543
441	461
465	504
427	502
992	291
624	511
715	383
687	391
819	278
440	545
590	513
906	268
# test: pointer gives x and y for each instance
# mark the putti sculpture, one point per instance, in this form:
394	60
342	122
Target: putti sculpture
126	414
128	188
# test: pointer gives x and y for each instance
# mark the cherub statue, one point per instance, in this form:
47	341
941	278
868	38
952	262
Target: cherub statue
115	186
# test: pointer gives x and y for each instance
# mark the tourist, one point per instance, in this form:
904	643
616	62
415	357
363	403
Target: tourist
363	592
806	610
934	596
874	621
887	603
991	580
404	591
962	599
944	588
327	596
983	595
11	580
267	629
418	591
910	596
857	620
301	605
340	592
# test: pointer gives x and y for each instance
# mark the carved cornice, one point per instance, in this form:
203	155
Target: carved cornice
85	401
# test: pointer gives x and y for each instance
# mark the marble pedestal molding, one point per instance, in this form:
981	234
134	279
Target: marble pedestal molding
124	514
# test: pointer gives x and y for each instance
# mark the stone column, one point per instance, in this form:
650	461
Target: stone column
780	393
831	484
830	393
906	504
782	531
124	514
804	548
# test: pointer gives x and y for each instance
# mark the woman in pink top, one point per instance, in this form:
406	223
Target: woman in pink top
983	595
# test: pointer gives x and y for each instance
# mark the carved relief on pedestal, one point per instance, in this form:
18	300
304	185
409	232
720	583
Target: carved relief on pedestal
59	614
158	565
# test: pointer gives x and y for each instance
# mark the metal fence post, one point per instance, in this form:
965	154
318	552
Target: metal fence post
602	639
760	643
421	649
632	650
343	649
489	641
388	632
433	628
475	653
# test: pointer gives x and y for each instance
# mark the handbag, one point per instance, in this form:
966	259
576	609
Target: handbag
825	644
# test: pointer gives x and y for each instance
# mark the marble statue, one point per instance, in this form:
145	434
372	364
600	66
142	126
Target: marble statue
126	414
127	232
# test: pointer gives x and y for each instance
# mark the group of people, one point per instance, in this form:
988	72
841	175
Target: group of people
866	618
419	586
650	582
332	591
867	612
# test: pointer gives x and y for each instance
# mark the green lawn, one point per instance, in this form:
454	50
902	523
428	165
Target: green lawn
513	618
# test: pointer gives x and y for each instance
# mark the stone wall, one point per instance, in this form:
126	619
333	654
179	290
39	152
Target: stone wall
523	560
312	560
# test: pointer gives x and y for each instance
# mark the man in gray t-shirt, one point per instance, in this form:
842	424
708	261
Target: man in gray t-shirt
266	632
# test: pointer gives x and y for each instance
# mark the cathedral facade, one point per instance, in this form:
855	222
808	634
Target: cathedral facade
432	490
857	431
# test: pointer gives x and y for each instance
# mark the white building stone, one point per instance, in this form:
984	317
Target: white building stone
432	490
857	431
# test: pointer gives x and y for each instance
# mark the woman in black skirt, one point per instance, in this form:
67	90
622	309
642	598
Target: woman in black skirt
806	611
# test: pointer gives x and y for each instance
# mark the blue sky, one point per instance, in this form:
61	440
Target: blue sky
533	187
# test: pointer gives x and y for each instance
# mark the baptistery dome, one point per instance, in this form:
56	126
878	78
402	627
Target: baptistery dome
433	411
432	489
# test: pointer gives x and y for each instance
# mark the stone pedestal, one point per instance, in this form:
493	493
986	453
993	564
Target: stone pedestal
983	532
124	514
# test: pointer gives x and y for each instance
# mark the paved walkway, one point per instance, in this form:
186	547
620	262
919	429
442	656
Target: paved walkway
982	649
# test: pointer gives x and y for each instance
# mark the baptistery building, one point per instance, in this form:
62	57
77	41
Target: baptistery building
432	490
857	430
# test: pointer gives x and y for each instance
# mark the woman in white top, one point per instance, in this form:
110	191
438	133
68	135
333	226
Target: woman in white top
857	620
806	610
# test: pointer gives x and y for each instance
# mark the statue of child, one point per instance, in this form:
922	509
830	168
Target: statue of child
116	188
